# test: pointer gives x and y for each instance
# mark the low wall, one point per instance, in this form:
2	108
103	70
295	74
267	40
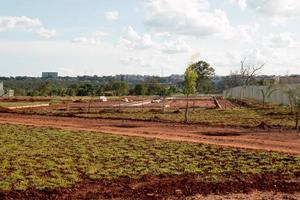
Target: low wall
254	92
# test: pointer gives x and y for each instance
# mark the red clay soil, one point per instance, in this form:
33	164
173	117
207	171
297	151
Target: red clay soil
271	140
178	187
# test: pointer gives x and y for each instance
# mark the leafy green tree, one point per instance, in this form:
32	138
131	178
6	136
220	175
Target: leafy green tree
204	72
120	88
44	89
86	89
190	78
140	89
153	87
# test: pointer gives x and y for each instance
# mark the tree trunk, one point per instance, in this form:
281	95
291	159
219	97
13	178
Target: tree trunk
186	110
164	103
120	103
291	105
297	121
89	107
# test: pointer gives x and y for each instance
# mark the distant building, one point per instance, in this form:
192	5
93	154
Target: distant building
1	89
49	74
7	92
10	93
290	79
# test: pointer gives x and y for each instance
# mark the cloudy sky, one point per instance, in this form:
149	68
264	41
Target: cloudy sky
107	37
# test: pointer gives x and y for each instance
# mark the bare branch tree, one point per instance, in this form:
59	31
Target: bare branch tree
248	72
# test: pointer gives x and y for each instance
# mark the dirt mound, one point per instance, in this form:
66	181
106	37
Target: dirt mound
161	187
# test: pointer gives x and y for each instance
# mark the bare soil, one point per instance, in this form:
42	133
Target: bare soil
287	141
162	187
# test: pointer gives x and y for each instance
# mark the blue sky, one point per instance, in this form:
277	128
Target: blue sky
107	37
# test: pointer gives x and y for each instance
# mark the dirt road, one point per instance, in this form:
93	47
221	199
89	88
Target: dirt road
287	141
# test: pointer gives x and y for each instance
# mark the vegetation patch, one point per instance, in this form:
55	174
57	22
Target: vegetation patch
20	103
44	158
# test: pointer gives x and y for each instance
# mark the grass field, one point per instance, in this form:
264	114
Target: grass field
15	104
250	117
50	158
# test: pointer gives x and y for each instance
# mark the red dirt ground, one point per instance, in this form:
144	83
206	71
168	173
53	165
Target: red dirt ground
270	140
162	187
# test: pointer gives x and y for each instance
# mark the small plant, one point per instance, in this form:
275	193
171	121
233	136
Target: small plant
297	105
266	93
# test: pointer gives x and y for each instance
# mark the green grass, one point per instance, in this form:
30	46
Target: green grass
50	158
250	117
15	104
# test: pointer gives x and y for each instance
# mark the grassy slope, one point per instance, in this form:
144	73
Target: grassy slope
49	158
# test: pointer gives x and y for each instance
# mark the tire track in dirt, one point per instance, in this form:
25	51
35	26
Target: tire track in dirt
285	141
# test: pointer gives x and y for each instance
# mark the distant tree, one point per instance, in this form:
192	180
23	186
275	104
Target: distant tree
44	89
120	89
248	72
204	72
190	78
164	93
85	89
140	89
153	87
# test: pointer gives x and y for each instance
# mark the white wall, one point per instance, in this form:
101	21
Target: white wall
254	92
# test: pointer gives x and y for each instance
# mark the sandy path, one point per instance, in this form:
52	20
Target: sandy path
287	142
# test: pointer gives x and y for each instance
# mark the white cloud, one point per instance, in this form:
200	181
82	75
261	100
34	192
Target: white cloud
278	11
241	3
281	40
193	18
133	40
46	33
189	17
177	46
94	38
135	61
112	15
99	34
7	23
136	41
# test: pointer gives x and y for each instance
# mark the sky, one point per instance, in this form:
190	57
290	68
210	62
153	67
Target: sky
148	37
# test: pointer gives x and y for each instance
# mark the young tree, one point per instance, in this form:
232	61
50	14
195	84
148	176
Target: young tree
291	96
294	98
204	72
164	92
297	105
266	93
190	78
